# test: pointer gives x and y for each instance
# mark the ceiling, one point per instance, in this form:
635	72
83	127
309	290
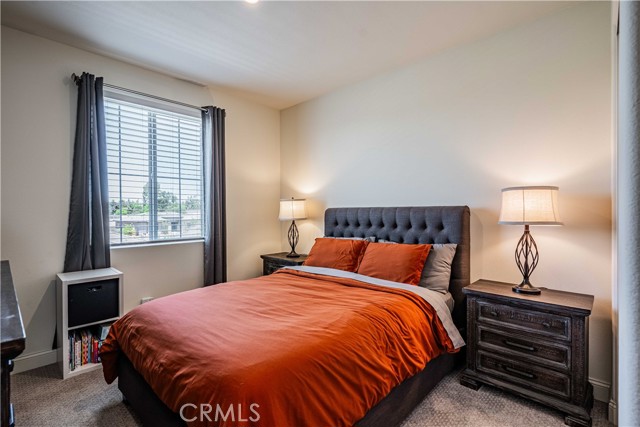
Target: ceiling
276	53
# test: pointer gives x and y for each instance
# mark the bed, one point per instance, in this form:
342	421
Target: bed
445	224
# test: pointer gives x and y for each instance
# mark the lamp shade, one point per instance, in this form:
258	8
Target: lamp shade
292	209
530	206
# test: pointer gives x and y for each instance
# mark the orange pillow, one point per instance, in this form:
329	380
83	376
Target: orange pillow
336	253
399	263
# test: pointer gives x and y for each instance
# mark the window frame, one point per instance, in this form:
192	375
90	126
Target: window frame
143	101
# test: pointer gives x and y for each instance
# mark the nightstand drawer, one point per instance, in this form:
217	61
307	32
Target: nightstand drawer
274	262
531	376
544	324
270	267
537	351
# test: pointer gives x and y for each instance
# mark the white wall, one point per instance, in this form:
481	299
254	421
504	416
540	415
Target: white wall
528	106
38	118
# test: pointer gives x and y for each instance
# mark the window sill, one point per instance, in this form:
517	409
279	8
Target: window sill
154	244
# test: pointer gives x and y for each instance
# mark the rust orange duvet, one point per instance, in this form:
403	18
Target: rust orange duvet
290	349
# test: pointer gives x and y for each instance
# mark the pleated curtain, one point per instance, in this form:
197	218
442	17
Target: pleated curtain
88	229
215	233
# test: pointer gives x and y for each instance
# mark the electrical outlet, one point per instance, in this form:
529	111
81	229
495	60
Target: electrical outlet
145	299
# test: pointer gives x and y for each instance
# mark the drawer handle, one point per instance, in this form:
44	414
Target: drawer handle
94	288
518	345
493	313
546	324
517	372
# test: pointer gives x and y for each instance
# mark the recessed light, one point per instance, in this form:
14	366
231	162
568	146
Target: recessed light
252	1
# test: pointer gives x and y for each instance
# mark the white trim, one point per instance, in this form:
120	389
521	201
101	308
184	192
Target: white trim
152	102
601	389
31	361
613	412
156	243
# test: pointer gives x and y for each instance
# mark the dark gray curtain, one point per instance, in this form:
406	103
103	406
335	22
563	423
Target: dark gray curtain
215	220
88	229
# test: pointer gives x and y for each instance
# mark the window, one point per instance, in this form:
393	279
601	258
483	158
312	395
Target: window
154	159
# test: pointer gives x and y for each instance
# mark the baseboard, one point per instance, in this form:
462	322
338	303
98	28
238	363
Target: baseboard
613	412
31	361
601	390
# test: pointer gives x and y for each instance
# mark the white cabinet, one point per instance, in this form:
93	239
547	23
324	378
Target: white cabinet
85	299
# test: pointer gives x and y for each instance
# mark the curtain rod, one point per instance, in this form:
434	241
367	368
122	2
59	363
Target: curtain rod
76	80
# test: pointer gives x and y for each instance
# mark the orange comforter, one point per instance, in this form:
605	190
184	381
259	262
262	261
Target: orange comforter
290	349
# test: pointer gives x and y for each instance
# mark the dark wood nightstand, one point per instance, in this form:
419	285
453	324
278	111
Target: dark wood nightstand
535	346
273	262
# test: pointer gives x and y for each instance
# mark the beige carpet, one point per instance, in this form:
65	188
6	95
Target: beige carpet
42	399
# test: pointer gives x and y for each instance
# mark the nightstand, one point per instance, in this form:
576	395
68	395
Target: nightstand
273	262
535	346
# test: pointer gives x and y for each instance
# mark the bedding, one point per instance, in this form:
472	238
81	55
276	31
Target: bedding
448	300
310	346
435	299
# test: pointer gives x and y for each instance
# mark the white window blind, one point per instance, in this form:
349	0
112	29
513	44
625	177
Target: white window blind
154	158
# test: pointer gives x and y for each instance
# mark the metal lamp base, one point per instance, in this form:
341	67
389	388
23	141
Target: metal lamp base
524	288
527	260
293	236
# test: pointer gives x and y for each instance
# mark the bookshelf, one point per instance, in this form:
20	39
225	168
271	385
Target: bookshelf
85	299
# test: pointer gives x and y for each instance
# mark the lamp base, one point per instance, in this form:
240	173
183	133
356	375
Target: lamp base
526	288
526	260
293	236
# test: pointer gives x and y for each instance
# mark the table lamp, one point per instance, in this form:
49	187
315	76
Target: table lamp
292	209
532	205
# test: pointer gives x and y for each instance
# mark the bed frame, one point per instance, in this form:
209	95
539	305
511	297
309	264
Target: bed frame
431	224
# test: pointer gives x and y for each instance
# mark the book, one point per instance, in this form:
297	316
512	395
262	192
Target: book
99	348
94	350
85	347
77	357
71	355
101	331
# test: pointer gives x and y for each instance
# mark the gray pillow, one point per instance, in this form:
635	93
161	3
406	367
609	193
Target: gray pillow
370	239
437	267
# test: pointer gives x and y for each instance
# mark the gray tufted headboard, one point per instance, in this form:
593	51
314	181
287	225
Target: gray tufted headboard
425	224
